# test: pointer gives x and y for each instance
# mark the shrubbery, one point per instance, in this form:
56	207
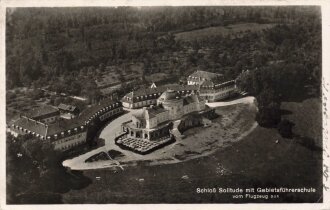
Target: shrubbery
285	128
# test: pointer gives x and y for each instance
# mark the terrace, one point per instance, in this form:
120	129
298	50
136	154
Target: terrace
142	146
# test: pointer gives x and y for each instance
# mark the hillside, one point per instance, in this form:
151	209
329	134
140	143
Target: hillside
81	51
224	31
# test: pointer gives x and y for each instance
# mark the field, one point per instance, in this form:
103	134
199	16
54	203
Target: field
237	29
255	161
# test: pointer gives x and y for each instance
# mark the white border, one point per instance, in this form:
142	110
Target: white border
86	3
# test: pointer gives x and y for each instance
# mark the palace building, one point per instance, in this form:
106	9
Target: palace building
178	105
150	127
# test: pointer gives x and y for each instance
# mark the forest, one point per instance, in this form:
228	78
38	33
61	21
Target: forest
48	45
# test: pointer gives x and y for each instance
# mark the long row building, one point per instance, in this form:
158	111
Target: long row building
45	123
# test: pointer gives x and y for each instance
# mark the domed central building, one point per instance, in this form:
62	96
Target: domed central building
171	101
178	105
150	127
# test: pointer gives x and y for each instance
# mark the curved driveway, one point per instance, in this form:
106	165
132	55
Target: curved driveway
109	133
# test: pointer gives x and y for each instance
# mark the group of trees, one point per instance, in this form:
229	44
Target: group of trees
35	173
291	72
276	83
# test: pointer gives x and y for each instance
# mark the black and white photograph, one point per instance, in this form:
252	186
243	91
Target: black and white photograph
164	105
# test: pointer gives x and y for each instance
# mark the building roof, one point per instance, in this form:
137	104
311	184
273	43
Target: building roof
169	95
89	112
42	111
210	84
154	93
31	125
67	107
207	83
44	129
155	110
62	125
191	99
205	74
149	112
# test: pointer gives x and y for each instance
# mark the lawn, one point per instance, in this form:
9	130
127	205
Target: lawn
255	161
221	31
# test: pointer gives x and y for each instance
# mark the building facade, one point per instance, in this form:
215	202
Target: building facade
215	92
211	86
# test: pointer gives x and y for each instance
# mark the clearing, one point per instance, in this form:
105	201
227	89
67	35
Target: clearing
221	31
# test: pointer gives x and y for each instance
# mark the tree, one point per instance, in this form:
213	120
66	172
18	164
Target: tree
269	114
285	128
34	168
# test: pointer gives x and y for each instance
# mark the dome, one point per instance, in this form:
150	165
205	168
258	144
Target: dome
169	95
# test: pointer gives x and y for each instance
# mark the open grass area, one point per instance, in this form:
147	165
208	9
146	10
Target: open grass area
221	31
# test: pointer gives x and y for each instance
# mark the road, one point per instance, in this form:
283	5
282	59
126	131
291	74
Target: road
245	100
